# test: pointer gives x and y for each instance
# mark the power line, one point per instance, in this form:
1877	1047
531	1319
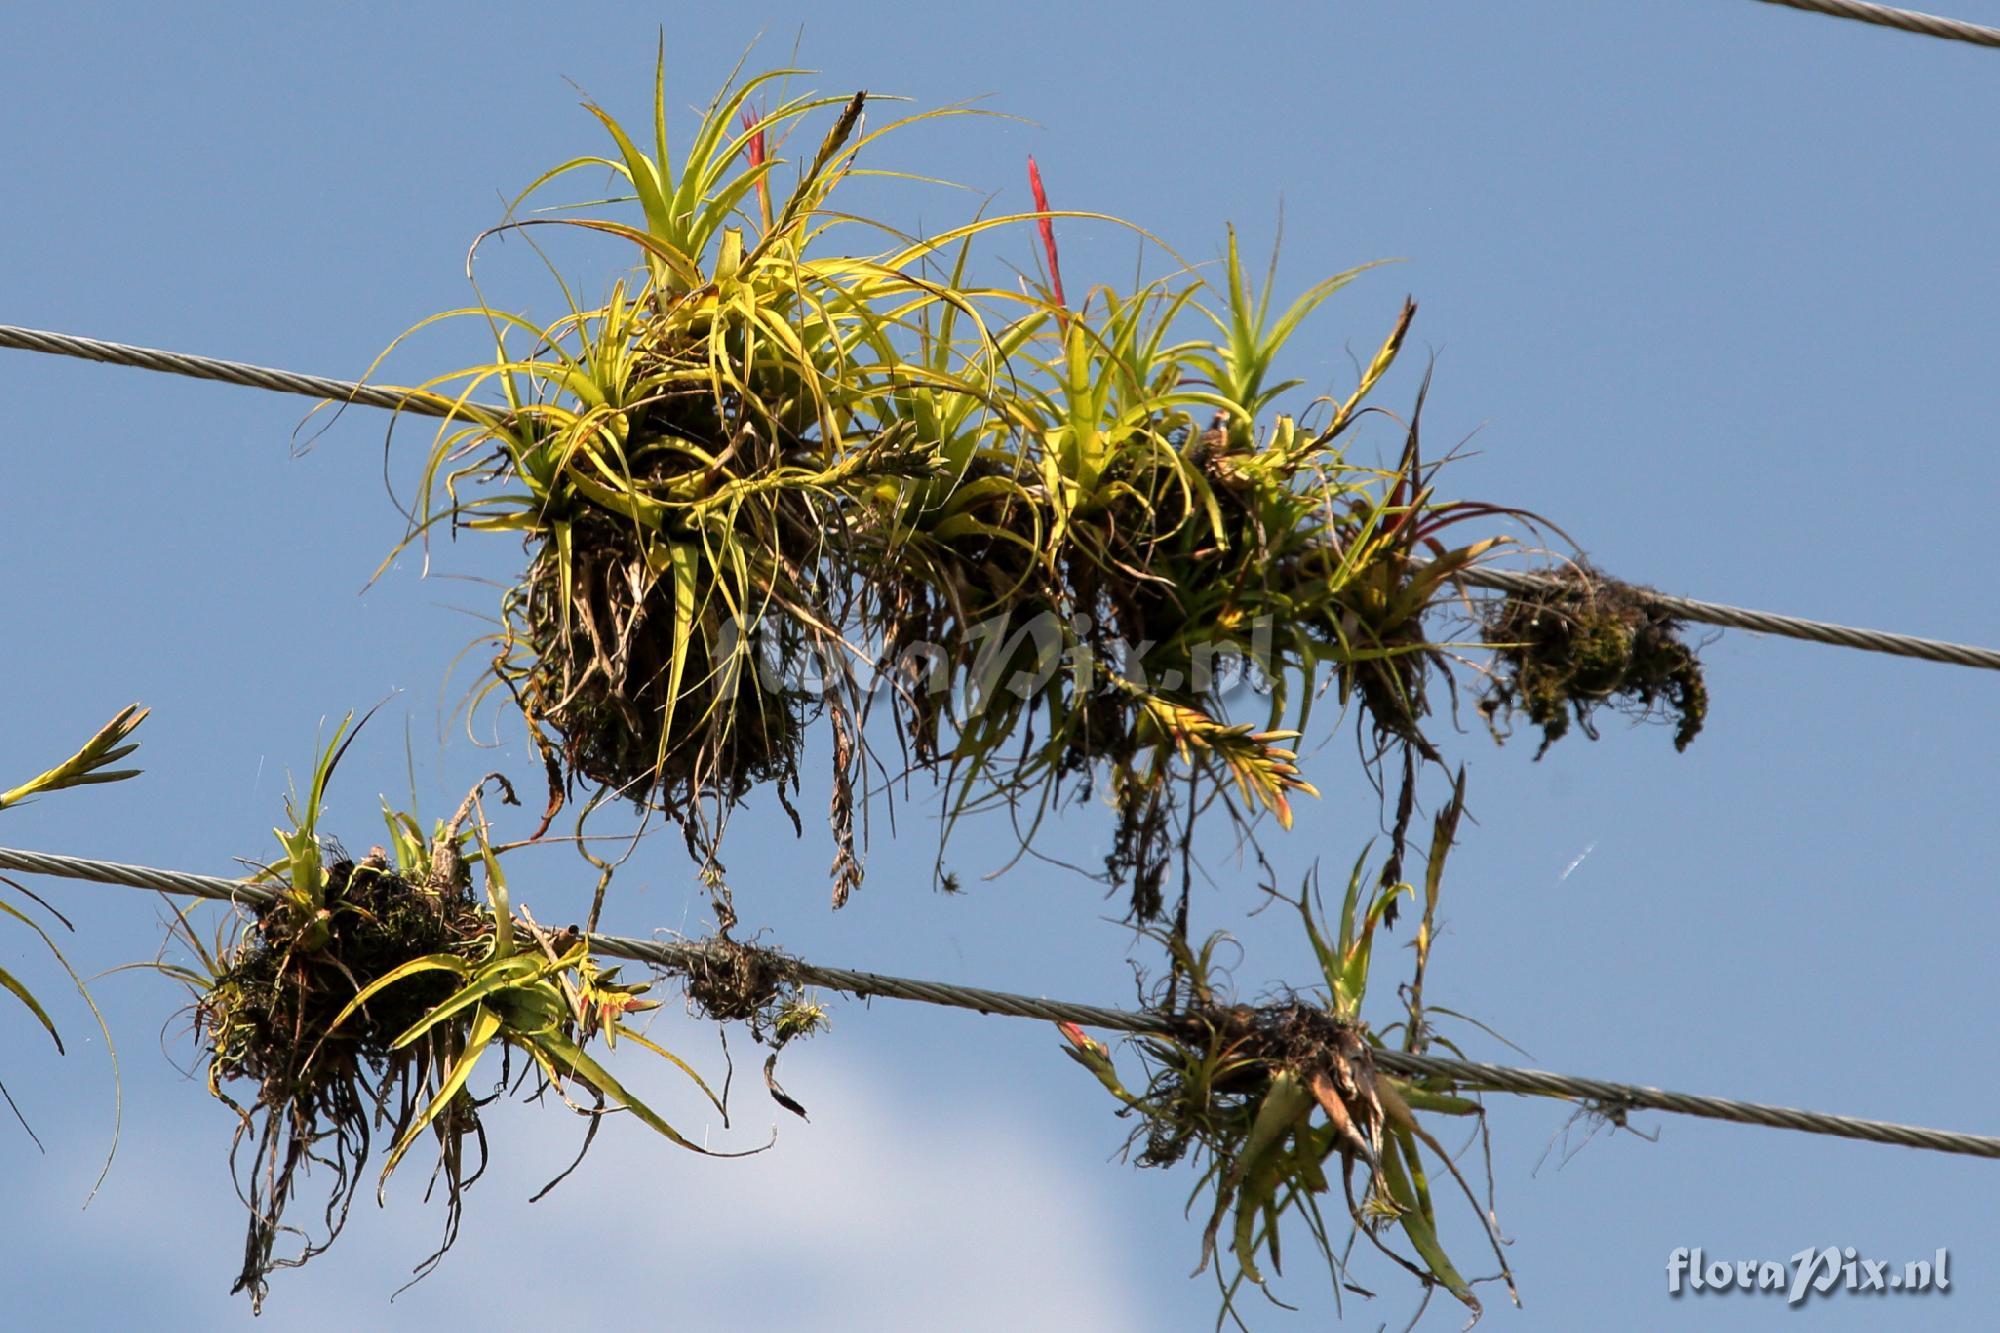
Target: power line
1762	622
228	372
1909	20
1612	1099
429	404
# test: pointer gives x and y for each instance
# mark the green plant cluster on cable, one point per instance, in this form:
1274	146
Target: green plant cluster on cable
793	436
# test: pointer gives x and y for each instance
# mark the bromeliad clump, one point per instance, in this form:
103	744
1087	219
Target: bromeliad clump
1584	642
280	981
265	1016
268	1009
360	996
1266	1097
767	481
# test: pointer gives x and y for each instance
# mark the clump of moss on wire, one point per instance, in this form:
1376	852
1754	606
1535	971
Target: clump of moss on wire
759	461
1585	642
271	990
360	996
263	1018
267	995
732	982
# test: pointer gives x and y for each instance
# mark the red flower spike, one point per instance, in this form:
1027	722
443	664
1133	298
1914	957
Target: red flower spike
1077	1038
1048	229
757	148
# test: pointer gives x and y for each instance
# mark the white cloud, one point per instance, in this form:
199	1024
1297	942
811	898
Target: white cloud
901	1206
922	1212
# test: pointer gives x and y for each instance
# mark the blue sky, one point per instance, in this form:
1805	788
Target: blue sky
1710	284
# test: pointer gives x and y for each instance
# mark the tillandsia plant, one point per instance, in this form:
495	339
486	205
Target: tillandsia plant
1266	1097
1043	532
364	994
91	765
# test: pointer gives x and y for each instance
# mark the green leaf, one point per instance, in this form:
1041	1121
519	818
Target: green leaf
25	996
436	962
496	899
683	558
572	1058
1423	1099
1287	1104
1417	1221
88	765
485	1026
499	975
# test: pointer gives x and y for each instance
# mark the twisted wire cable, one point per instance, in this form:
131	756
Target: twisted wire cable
1909	20
1762	622
227	372
1606	1098
428	404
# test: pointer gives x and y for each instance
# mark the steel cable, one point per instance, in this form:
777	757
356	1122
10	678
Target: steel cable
1598	1094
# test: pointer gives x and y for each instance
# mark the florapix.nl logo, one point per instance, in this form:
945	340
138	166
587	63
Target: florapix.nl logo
1813	1271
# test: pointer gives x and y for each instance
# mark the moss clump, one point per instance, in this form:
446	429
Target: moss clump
266	1016
732	982
1584	642
739	983
273	989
